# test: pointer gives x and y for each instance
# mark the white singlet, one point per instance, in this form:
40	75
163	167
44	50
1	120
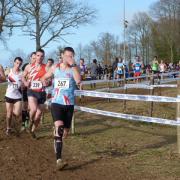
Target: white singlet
14	85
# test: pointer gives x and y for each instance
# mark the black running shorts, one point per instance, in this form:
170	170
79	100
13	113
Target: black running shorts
12	101
40	96
63	113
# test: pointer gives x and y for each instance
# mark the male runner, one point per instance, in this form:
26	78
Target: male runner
36	91
25	111
13	96
66	76
137	70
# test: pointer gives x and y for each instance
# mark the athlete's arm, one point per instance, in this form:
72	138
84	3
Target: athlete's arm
2	74
24	76
76	75
48	74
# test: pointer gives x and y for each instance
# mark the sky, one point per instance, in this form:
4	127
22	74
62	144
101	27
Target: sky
109	19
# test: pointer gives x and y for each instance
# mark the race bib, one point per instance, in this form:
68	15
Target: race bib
119	69
62	83
36	85
137	68
15	85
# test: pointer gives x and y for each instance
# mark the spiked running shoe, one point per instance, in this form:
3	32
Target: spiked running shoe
61	164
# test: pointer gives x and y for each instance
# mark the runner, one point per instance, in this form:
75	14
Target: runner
162	67
155	68
36	91
66	76
13	95
25	111
83	69
120	70
137	70
83	72
49	64
155	65
49	86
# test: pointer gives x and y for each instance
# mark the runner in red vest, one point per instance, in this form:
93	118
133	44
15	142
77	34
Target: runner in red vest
36	91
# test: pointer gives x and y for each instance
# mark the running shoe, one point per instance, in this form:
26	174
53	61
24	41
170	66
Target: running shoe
8	131
31	125
22	129
33	134
61	164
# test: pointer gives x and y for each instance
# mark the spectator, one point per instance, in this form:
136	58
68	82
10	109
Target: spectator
93	70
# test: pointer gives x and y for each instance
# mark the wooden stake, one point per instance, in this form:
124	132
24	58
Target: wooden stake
125	92
178	117
151	92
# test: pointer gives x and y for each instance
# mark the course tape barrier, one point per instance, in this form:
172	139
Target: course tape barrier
139	86
129	116
131	78
125	96
165	85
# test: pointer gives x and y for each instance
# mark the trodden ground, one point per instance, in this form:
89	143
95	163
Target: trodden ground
103	147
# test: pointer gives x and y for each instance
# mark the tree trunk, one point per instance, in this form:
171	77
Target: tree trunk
38	38
172	54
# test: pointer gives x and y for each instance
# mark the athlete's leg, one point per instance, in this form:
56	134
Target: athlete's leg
58	134
9	113
37	117
25	113
33	104
68	120
17	112
17	109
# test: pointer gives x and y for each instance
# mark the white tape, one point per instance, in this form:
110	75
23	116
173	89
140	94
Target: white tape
132	78
125	96
165	85
170	73
169	80
139	86
131	117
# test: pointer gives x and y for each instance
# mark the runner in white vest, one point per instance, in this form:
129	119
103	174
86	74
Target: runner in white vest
13	94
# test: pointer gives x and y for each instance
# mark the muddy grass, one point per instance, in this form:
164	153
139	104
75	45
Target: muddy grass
102	148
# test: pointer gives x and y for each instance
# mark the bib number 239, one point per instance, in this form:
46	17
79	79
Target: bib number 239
36	85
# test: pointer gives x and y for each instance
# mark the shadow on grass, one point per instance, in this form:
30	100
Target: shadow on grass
81	165
133	127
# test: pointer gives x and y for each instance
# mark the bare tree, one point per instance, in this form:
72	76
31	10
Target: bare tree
79	52
88	54
139	33
106	48
51	20
166	14
9	16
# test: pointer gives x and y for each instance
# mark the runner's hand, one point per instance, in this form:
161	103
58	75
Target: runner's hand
44	83
27	84
70	60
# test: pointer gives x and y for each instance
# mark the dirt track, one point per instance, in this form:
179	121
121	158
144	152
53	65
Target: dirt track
103	148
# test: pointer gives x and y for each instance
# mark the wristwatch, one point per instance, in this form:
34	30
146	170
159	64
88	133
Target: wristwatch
73	65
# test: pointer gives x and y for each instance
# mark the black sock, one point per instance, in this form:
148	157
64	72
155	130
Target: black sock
23	118
58	149
27	116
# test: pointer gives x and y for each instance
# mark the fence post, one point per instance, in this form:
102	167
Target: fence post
151	92
178	116
108	89
125	92
160	92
